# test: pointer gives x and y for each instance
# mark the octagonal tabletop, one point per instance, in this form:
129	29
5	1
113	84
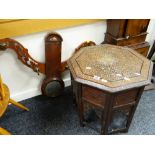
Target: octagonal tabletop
110	68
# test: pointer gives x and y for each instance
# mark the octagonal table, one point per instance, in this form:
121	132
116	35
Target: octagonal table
108	82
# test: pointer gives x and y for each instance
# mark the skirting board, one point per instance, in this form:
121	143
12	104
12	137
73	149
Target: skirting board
35	92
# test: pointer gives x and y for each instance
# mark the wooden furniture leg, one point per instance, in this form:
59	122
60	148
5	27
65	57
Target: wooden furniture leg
18	105
4	132
4	101
80	105
1	88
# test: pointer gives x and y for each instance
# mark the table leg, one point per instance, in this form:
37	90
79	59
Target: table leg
107	113
133	109
80	104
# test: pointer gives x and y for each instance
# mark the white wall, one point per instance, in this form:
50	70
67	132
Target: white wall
22	81
151	33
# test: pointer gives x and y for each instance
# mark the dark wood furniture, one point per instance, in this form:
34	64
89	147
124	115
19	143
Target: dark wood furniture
107	86
128	32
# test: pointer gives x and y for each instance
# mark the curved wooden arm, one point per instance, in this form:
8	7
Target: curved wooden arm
24	56
85	44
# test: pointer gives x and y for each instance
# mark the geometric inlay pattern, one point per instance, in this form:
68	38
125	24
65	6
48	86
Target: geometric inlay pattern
110	66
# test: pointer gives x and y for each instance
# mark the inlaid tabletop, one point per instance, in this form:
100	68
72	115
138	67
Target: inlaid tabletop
109	67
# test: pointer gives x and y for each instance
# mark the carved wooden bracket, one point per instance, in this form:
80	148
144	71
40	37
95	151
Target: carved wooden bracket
24	56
